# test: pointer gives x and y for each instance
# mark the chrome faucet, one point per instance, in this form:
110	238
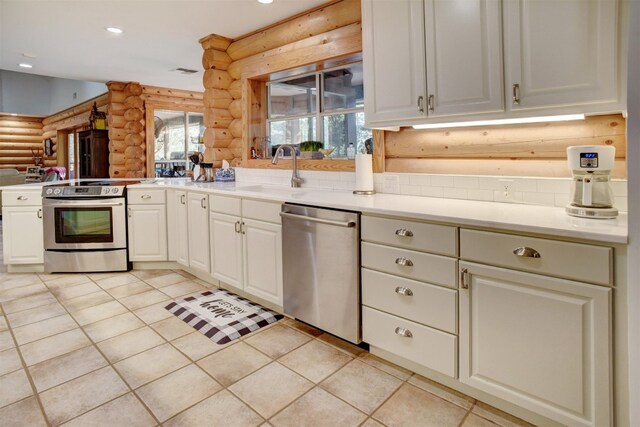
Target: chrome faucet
296	181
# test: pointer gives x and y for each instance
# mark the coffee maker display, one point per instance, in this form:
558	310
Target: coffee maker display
591	194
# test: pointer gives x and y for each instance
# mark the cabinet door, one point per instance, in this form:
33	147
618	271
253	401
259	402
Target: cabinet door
539	342
226	248
561	53
393	61
147	233
198	231
182	229
262	244
464	56
22	235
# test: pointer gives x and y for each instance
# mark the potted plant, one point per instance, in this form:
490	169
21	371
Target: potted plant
310	150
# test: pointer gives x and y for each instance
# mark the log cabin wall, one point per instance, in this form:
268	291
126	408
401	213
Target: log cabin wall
19	135
235	72
76	118
130	118
516	150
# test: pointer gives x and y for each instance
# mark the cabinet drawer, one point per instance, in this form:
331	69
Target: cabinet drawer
22	198
425	267
225	205
145	197
262	211
419	236
428	347
585	263
431	305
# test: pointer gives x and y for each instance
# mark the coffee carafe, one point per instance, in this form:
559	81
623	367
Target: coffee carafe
591	194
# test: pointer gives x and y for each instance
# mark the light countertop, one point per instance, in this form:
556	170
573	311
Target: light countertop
544	220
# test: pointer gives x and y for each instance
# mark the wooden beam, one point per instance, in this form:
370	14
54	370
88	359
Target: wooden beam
310	24
215	41
100	100
333	44
168	92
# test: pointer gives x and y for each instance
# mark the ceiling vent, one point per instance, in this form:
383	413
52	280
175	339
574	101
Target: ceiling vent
185	70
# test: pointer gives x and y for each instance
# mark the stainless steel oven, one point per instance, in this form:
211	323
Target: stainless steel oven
85	227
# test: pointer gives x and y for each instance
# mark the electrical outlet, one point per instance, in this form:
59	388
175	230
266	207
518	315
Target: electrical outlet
507	188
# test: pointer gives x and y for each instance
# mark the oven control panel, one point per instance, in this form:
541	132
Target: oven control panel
83	191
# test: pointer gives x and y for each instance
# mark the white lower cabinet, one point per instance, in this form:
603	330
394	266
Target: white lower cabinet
262	243
246	245
181	228
198	226
147	232
147	224
539	342
22	236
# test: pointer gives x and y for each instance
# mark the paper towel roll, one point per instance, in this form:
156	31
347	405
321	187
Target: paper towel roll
364	172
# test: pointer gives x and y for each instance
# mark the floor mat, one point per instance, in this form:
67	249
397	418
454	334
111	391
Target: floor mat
221	315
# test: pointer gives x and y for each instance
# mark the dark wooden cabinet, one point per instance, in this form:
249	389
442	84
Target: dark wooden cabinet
93	154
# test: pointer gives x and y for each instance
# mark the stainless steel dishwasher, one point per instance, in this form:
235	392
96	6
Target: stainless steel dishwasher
321	256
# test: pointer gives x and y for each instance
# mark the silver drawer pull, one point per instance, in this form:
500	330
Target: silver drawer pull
404	291
404	332
526	252
23	198
404	261
403	232
145	196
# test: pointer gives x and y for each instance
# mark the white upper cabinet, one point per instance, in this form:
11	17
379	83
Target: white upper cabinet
435	61
394	61
464	57
562	53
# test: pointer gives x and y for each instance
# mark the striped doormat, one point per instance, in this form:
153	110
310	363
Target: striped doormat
221	315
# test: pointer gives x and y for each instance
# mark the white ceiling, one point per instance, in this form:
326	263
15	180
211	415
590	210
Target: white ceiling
69	39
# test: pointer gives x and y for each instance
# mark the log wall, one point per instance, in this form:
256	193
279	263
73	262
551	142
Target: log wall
19	135
537	149
235	71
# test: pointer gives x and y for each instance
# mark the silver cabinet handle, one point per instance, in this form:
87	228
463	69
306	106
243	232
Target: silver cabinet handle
430	103
203	203
404	332
403	232
39	213
404	261
236	226
516	94
526	252
145	196
404	291
129	212
182	199
464	278
421	104
23	198
242	228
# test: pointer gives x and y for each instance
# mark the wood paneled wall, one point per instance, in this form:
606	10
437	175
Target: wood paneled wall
19	135
235	68
516	150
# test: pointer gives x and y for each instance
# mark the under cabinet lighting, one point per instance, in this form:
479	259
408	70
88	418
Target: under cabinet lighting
114	30
25	65
514	121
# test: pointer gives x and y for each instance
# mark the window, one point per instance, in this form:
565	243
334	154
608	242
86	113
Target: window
326	106
178	135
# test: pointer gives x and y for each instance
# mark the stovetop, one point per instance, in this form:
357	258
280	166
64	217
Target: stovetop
105	188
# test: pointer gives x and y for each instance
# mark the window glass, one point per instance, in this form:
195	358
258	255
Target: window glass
343	88
341	129
292	131
178	135
293	97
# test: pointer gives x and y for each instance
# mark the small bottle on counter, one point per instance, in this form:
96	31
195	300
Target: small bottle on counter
351	151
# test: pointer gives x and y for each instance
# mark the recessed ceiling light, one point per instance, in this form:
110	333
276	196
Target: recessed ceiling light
265	1
114	30
25	65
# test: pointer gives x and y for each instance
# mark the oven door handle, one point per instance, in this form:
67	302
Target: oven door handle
80	203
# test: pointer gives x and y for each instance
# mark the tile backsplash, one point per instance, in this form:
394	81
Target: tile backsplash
523	190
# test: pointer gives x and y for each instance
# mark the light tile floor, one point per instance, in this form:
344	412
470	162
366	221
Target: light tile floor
100	350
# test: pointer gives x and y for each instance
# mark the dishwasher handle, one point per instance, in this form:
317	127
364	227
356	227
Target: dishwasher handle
346	224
